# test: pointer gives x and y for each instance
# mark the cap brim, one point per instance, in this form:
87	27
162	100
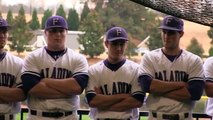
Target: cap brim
7	27
118	38
169	28
55	27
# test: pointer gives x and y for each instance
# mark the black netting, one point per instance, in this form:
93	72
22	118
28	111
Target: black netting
199	11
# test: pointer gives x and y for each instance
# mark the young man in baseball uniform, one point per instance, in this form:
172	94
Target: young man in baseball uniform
10	83
173	77
208	66
54	76
113	92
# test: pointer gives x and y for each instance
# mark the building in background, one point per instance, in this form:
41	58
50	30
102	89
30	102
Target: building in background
39	40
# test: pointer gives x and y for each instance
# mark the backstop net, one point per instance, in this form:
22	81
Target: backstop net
199	11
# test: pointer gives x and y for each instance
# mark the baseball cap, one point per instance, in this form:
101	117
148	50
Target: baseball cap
4	24
116	33
172	23
56	22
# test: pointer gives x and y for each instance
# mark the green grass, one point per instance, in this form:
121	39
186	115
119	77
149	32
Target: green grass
18	116
84	117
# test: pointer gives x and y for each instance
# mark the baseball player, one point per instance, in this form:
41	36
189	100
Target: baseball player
10	83
54	76
173	77
208	65
113	91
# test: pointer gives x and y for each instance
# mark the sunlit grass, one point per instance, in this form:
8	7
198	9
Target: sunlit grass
84	117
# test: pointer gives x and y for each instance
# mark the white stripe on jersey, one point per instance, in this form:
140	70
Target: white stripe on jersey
108	80
10	66
207	66
186	67
40	63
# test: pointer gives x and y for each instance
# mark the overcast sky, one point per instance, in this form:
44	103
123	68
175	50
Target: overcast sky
44	3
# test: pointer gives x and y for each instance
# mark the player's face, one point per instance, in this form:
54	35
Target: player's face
3	37
56	38
171	39
116	50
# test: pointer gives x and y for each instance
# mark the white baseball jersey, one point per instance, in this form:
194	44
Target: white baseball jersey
208	65
10	69
186	67
123	80
40	63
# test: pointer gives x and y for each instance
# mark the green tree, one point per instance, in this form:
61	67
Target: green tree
139	20
34	23
9	17
211	51
0	14
21	34
60	11
210	34
195	47
154	41
47	14
91	41
85	12
73	20
130	51
99	5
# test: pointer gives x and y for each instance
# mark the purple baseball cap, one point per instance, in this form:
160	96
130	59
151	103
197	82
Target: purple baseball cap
4	24
56	22
116	33
172	23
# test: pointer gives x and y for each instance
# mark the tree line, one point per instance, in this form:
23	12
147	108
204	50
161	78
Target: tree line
138	20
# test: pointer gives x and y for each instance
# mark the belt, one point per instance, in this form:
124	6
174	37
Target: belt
51	114
3	117
171	116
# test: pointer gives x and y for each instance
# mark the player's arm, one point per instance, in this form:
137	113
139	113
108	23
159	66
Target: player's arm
147	81
195	83
43	91
68	86
96	99
156	86
77	83
13	94
101	101
134	101
179	94
193	91
33	85
208	87
208	65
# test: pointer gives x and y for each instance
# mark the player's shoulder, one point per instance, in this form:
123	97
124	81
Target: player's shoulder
209	60
191	58
154	54
190	55
74	53
14	57
97	65
131	63
36	52
208	63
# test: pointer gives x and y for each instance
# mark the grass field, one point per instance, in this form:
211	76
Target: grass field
84	117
